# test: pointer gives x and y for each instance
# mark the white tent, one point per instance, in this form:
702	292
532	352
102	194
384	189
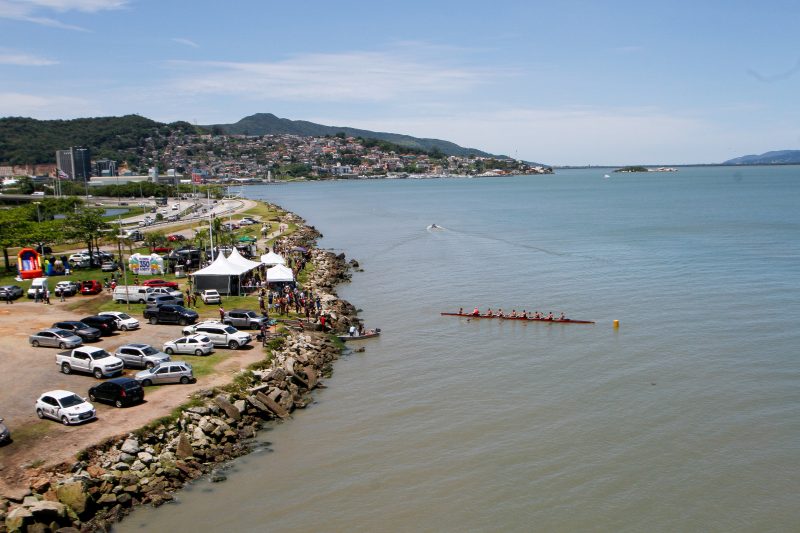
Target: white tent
236	259
221	275
279	273
272	259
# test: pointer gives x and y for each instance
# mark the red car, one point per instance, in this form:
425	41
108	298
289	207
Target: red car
176	237
161	250
91	286
160	283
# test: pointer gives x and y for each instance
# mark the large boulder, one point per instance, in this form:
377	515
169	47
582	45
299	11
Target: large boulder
130	446
74	495
230	410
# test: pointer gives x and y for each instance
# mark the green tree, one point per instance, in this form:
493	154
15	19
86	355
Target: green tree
155	239
86	225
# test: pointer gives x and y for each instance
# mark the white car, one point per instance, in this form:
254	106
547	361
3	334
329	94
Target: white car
65	406
223	335
191	344
210	296
125	322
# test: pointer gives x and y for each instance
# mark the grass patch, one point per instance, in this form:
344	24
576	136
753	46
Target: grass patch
203	365
31	432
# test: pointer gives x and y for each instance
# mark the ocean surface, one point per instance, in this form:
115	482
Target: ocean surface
686	418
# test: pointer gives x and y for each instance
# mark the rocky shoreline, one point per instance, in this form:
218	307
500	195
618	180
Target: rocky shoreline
147	466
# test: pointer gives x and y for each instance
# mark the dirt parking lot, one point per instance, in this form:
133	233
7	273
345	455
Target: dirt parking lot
26	372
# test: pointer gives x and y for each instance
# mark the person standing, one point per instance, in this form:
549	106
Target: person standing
9	301
221	313
47	296
62	298
261	306
37	296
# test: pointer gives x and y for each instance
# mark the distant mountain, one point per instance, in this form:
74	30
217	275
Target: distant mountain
269	124
780	157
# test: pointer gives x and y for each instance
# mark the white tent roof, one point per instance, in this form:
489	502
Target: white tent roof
272	259
279	273
236	259
221	267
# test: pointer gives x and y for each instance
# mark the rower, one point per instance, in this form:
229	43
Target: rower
562	317
550	316
489	312
524	314
500	313
460	310
537	316
476	312
513	313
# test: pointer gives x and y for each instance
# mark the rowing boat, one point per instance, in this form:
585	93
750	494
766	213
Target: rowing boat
528	319
366	335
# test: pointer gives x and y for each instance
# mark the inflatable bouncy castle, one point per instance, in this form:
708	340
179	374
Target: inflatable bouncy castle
28	263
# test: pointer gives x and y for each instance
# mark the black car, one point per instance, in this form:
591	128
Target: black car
84	331
106	324
172	314
117	391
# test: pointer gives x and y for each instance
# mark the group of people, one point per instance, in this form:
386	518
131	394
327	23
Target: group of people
513	314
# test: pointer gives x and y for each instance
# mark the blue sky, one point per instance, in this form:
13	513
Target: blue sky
572	82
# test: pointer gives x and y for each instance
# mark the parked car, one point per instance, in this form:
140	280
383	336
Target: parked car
171	314
69	288
65	406
124	321
55	337
5	434
162	299
91	286
106	324
38	284
191	344
161	249
176	237
169	291
210	296
172	372
118	391
108	266
12	291
220	334
130	293
84	331
91	360
137	355
160	283
79	258
247	221
244	319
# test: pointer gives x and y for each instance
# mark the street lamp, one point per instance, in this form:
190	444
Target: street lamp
38	213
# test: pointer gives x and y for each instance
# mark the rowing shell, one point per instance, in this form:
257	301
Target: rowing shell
529	319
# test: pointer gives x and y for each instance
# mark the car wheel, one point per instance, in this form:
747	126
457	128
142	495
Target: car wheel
146	383
183	322
65	420
184	380
35	344
118	403
153	320
124	327
120	301
92	397
40	413
169	351
198	352
233	345
141	301
98	373
66	369
149	365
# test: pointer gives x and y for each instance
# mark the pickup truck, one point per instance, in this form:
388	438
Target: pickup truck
91	360
172	314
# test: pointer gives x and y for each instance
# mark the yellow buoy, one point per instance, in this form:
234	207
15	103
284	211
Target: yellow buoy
616	324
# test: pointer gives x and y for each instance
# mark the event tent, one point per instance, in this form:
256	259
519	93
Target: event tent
221	275
235	258
271	259
279	274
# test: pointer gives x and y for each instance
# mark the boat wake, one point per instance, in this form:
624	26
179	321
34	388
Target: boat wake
435	227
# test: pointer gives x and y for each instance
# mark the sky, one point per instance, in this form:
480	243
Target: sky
562	83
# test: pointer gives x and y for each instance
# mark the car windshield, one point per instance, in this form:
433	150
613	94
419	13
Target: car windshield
71	400
149	351
100	354
123	316
230	329
62	333
82	325
131	385
204	339
251	314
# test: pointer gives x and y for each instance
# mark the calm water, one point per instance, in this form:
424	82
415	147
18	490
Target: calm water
685	419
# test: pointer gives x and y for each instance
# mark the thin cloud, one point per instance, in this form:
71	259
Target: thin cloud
356	76
768	78
187	42
42	106
32	10
10	57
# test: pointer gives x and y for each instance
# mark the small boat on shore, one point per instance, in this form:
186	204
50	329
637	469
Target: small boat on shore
526	319
369	334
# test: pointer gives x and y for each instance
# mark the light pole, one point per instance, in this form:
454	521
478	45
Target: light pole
38	213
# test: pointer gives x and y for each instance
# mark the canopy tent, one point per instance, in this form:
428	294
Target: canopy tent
221	275
271	259
236	259
280	274
247	239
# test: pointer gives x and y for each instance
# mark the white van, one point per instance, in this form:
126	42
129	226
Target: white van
38	284
130	293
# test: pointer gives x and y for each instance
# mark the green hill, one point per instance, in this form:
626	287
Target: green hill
779	157
29	141
267	123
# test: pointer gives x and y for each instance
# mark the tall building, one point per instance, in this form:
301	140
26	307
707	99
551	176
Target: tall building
75	163
105	167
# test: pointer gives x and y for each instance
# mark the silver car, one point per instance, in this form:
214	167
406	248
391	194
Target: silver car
191	344
57	338
5	434
136	355
171	372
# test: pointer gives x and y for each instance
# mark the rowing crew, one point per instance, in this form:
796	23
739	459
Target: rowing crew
513	314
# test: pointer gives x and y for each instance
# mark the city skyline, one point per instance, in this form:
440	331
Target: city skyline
569	84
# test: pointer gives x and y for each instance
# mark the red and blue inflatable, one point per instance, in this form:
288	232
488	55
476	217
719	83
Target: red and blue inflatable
29	264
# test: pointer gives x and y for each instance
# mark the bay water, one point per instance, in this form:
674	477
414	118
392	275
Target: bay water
686	418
